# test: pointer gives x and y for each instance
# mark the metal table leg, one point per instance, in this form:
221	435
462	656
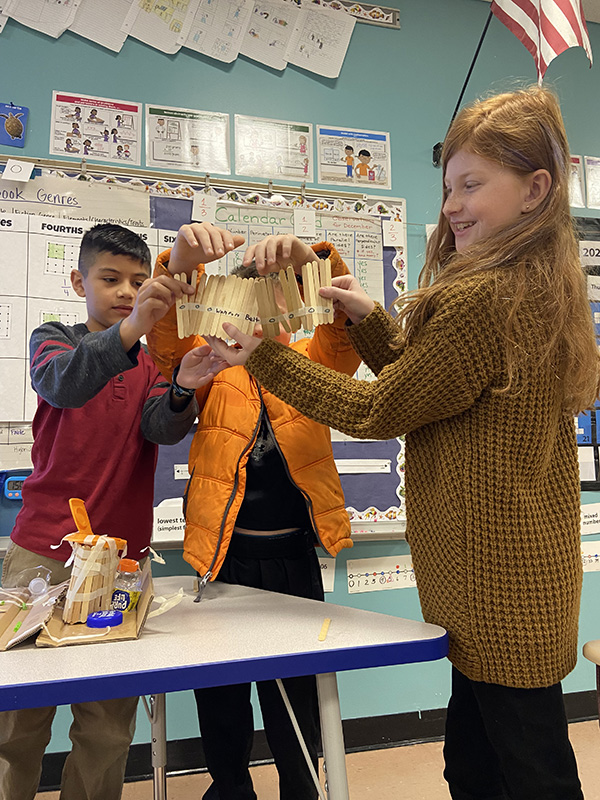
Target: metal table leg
156	711
334	754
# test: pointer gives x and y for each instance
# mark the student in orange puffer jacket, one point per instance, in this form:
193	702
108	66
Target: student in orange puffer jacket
263	491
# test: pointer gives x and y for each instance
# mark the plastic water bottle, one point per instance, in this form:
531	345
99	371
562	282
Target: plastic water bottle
128	585
36	579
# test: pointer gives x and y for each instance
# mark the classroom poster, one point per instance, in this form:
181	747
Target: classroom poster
358	158
320	41
576	183
53	196
269	148
158	24
183	138
592	181
51	18
96	128
13	124
217	28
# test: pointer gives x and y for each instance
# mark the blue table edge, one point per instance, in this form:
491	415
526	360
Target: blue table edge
219	673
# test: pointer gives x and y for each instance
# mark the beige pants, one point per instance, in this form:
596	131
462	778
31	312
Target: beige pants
101	732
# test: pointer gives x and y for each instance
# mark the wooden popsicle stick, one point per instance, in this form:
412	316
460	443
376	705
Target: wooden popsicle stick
315	283
284	320
207	302
215	322
285	288
189	316
184	313
264	311
296	300
197	301
179	309
227	304
244	292
325	273
308	317
236	308
250	306
274	310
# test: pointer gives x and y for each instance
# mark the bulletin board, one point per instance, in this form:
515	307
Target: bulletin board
588	424
38	252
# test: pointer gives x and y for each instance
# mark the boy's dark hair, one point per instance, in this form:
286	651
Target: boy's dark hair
113	239
349	147
250	271
364	153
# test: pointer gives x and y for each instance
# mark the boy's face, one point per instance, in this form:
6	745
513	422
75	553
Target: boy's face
109	288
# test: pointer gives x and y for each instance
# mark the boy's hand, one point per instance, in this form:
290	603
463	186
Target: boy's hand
154	298
278	252
200	243
348	296
199	366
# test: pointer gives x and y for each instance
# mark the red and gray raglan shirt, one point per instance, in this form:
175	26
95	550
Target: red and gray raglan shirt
101	414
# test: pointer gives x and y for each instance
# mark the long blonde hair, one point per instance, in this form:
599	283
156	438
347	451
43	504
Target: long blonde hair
522	131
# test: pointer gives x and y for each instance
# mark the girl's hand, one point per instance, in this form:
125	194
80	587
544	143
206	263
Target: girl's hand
278	252
200	243
199	366
348	296
235	356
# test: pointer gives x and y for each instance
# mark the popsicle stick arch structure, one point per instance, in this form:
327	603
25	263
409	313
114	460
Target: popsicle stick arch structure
245	302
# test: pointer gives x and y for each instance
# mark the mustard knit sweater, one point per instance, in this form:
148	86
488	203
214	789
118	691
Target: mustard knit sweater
492	481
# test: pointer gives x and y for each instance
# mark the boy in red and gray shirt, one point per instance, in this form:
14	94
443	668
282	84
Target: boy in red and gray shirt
102	410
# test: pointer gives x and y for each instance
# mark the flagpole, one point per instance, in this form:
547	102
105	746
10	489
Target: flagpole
437	148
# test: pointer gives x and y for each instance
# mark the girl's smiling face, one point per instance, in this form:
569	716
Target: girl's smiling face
481	197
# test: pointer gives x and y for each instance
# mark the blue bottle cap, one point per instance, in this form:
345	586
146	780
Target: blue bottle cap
104	619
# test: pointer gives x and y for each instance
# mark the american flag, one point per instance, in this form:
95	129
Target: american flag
546	27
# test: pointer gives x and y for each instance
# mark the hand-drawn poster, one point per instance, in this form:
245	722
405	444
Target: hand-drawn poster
269	148
158	24
217	28
183	138
96	128
360	158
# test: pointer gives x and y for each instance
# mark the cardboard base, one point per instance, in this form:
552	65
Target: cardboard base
58	633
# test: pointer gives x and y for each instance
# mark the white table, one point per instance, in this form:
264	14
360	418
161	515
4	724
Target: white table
233	635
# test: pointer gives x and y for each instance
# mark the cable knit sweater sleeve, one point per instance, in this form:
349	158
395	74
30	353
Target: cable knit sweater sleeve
441	373
372	342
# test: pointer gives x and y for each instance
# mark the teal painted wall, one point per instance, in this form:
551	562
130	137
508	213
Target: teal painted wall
406	82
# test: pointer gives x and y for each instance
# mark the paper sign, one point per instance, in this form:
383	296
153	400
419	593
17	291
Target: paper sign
17	170
305	223
378	574
590	556
590	518
13	122
169	522
393	233
204	207
327	573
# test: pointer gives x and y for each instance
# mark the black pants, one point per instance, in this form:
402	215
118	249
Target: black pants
508	744
286	564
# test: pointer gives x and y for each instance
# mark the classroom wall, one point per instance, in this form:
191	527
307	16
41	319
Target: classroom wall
406	82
